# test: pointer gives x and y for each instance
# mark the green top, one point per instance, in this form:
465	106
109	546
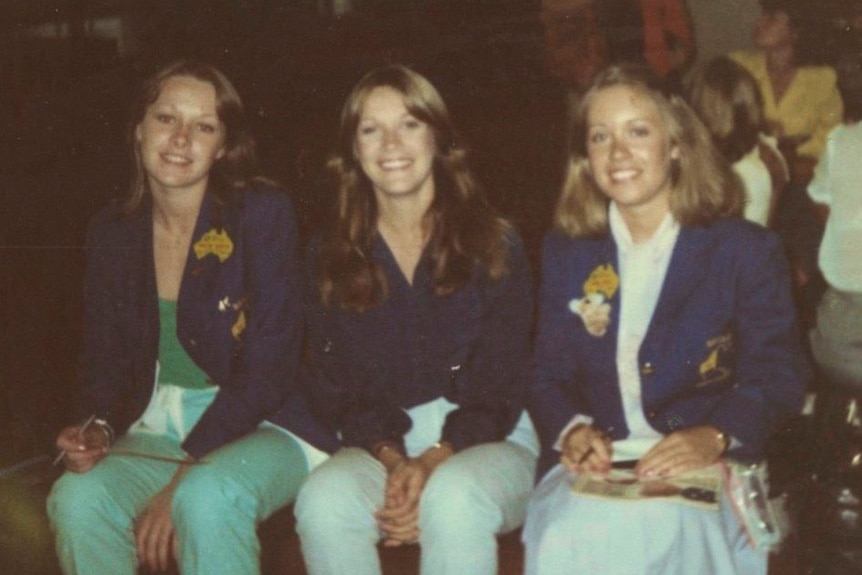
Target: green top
175	365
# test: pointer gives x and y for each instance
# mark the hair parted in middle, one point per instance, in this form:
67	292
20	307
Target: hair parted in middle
236	169
464	230
703	187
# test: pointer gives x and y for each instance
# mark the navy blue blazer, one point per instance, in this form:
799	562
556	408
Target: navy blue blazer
239	317
471	347
722	347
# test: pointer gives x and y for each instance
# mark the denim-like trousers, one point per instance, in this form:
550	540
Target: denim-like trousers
216	506
469	499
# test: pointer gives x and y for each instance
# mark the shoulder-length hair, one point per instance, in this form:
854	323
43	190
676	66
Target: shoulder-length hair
465	230
728	101
703	187
235	169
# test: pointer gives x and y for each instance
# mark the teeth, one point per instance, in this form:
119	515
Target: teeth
175	159
394	164
621	175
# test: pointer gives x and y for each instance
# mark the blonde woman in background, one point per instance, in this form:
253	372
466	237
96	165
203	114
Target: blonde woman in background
728	101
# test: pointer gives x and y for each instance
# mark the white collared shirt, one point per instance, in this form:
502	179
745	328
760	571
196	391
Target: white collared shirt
642	270
838	184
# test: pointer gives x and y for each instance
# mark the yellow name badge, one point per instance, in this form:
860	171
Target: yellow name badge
603	280
214	242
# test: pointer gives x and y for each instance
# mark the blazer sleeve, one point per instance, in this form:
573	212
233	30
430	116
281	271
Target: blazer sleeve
771	369
492	394
553	398
265	368
105	368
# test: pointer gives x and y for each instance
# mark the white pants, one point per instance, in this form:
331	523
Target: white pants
474	495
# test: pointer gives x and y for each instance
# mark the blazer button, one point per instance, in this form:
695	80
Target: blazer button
652	415
193	342
647	369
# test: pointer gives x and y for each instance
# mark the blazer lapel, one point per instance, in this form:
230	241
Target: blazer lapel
199	270
685	273
142	281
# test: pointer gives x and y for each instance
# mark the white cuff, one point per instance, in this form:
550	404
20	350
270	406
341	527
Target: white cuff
579	419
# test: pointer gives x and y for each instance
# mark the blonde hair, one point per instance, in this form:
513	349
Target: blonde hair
728	101
703	187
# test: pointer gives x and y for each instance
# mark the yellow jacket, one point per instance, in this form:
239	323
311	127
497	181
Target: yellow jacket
811	106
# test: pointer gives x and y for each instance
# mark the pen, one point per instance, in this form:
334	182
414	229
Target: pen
81	430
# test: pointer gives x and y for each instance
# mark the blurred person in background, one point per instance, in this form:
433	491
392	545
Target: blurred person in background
801	102
728	101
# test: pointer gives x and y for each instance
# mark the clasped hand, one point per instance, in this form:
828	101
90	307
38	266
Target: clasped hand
399	517
405	481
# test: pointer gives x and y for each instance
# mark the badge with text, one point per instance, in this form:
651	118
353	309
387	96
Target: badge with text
214	242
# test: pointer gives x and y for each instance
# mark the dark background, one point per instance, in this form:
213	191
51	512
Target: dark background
68	70
63	106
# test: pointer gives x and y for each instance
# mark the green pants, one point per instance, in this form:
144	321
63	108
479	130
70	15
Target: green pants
216	507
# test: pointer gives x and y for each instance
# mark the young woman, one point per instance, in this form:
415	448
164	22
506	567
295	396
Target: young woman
192	337
728	101
419	319
667	339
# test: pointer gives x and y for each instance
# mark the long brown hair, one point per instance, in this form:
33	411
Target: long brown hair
235	169
703	186
465	231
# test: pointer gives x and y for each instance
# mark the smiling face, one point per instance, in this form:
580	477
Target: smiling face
180	136
395	149
630	151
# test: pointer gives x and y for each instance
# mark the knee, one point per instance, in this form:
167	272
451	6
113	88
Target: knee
323	494
206	499
76	501
326	499
454	501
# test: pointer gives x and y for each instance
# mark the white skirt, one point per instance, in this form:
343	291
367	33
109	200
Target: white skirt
570	534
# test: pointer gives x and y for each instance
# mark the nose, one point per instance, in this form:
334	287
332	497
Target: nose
619	148
180	134
391	138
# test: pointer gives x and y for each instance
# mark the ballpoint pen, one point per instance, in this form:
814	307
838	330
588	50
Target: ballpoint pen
81	430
